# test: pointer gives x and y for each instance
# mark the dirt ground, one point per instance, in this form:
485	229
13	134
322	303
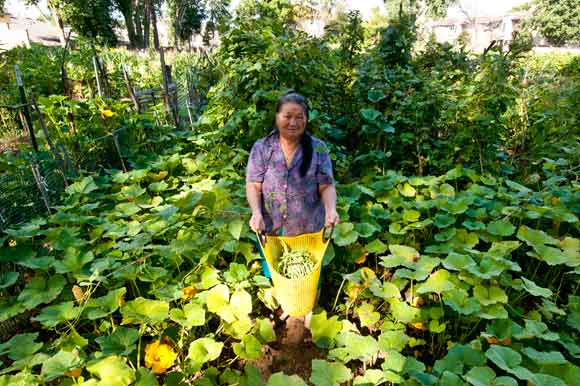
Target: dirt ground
292	353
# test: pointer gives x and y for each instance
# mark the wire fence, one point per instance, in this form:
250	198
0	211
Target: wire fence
29	190
32	184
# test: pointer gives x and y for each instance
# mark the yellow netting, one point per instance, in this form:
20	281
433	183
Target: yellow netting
296	296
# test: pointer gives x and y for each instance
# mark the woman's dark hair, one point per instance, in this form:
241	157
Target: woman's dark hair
306	140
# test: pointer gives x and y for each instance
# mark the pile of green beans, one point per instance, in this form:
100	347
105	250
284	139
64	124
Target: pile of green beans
295	264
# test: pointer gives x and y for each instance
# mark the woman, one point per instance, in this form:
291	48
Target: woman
289	181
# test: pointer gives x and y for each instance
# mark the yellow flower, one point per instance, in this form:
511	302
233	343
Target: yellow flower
159	357
188	292
362	258
107	113
12	243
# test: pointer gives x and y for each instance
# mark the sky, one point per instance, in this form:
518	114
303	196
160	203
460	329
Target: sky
481	7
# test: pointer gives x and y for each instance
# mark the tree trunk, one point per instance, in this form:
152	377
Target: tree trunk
137	22
60	23
128	17
155	32
146	22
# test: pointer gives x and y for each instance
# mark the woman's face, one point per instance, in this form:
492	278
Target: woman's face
291	121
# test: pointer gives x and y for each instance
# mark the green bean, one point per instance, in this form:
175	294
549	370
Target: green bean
295	264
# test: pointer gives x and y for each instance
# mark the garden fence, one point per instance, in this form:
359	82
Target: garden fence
33	186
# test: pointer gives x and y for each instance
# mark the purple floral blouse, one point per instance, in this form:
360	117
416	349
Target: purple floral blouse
291	204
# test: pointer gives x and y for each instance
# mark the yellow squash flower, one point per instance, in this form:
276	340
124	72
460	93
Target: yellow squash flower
159	357
107	113
188	292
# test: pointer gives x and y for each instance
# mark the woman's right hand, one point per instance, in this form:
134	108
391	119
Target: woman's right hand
257	223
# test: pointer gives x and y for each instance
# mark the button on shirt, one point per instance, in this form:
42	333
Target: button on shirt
291	204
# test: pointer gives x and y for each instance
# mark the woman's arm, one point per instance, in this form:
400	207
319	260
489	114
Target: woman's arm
328	195
254	195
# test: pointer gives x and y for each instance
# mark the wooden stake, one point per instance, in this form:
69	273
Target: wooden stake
166	98
116	141
131	90
25	108
97	77
41	184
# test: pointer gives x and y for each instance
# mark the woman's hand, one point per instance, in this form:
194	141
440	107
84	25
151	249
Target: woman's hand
257	222
331	219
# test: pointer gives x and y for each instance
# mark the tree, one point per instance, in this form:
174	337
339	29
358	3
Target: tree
90	18
217	15
433	8
556	20
186	17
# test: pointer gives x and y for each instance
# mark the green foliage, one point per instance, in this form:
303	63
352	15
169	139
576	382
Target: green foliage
442	273
92	19
556	20
186	17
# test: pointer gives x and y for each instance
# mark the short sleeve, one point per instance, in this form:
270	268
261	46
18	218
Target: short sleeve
324	168
256	166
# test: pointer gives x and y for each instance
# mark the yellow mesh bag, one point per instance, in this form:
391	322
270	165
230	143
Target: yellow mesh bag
296	296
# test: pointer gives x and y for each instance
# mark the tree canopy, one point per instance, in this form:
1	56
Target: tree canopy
557	21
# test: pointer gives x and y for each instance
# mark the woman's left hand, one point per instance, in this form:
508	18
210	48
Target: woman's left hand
331	219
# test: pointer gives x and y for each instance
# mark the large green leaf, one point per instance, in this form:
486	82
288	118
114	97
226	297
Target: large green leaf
202	351
458	262
371	377
376	95
7	279
489	295
144	377
354	347
509	360
443	220
59	364
145	311
403	312
40	290
265	330
328	373
324	330
544	358
480	376
371	115
534	237
532	288
21	346
547	380
367	314
438	282
249	348
55	314
408	253
97	308
394	361
281	379
235	228
191	315
83	187
73	261
501	228
376	246
21	379
459	300
345	234
121	342
393	340
112	371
